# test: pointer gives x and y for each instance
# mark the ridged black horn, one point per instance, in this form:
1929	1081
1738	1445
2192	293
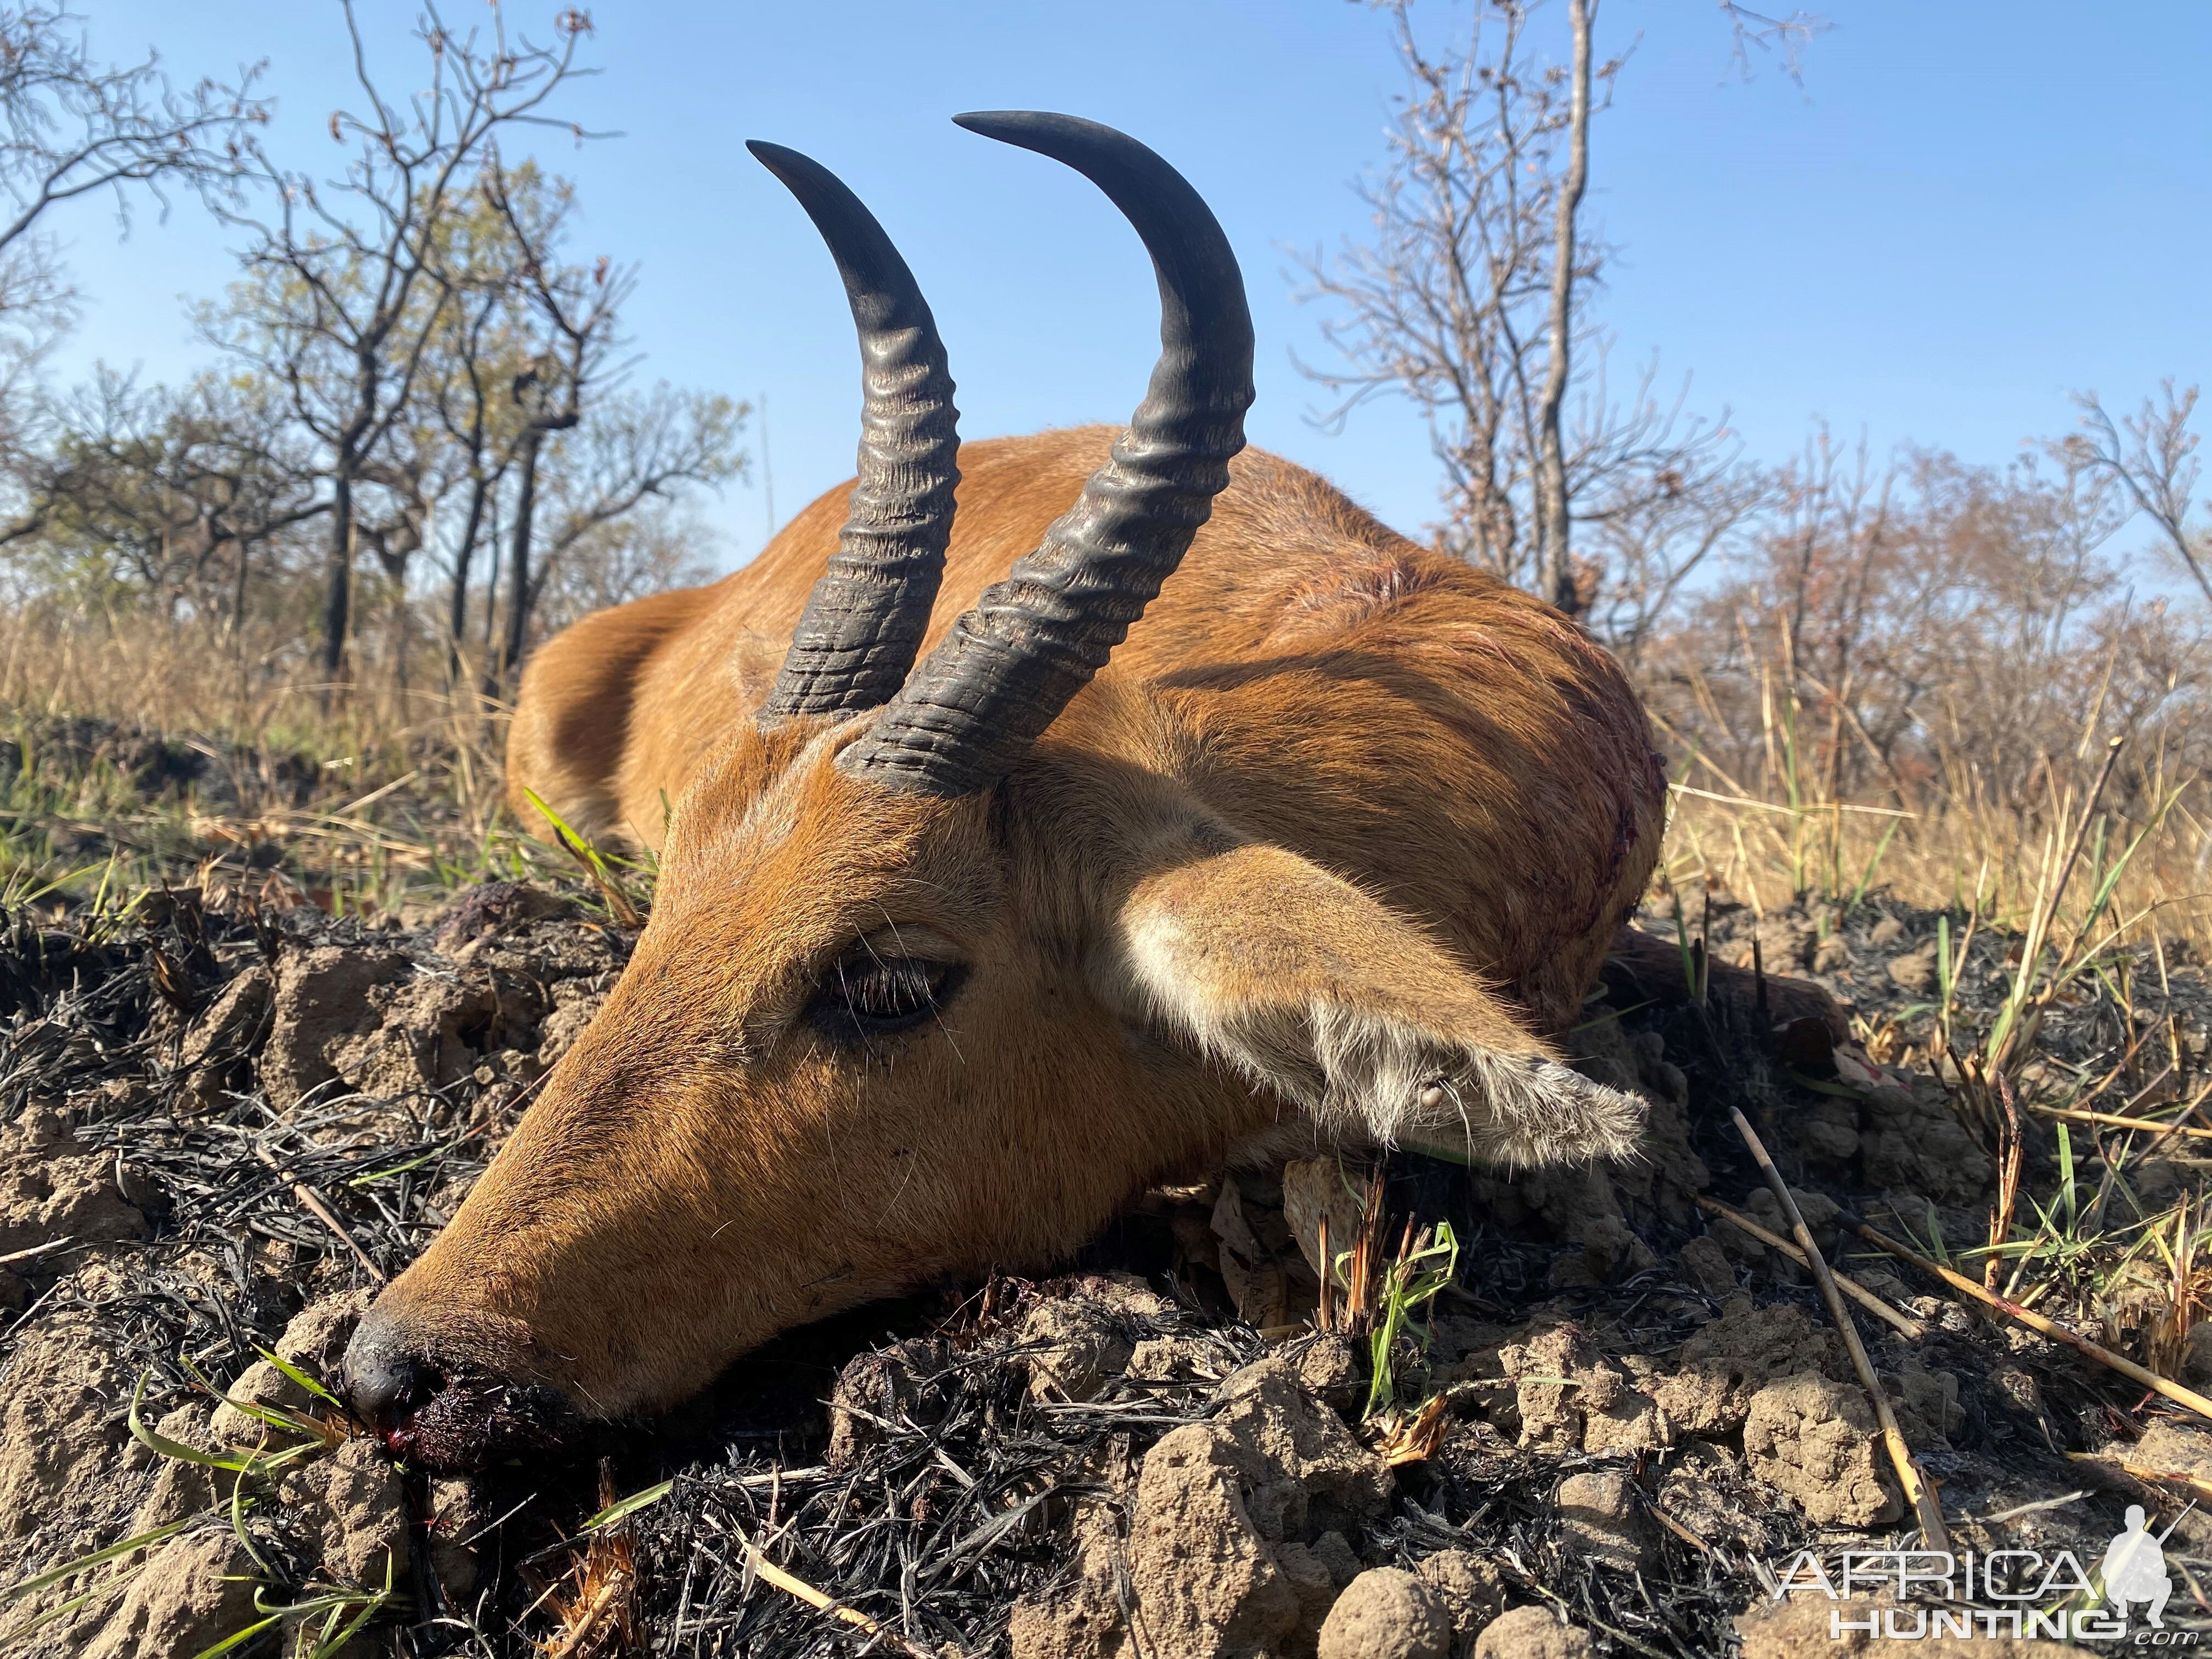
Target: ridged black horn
864	620
1009	666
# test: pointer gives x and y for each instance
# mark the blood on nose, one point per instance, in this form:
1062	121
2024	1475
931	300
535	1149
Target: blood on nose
387	1384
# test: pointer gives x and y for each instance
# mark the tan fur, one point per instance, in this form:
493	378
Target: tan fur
1326	855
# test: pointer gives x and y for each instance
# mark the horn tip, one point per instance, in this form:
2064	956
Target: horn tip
1003	124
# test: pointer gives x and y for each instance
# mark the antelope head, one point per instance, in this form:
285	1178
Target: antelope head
947	962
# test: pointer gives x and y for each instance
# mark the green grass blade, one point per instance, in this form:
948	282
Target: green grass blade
48	1617
242	1636
85	1563
369	1609
622	1509
1866	880
155	1440
2066	1195
299	1376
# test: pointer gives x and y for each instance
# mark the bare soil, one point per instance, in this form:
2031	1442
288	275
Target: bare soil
1646	1412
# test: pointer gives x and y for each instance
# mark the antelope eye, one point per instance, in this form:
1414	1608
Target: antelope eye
867	997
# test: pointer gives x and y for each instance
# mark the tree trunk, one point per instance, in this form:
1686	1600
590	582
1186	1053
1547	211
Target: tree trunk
403	631
338	600
464	556
238	592
491	595
1555	574
518	564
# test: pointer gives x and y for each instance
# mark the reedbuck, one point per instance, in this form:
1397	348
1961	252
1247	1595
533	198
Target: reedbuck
948	961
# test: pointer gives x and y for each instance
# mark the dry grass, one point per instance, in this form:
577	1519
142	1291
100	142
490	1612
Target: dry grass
2104	884
377	799
259	689
1981	860
1769	840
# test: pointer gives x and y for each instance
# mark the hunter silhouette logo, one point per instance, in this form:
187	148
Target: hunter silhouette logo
2135	1569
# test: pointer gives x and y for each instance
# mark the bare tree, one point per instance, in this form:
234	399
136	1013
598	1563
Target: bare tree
578	311
662	544
487	343
1929	630
71	126
176	493
1443	304
342	298
469	403
1555	576
2152	455
1786	38
1472	299
635	449
1648	532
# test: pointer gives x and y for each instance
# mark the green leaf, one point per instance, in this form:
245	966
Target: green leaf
2066	1174
365	1604
1867	880
375	1176
61	1611
622	1509
177	1449
276	1417
369	1609
85	1563
231	1641
309	1383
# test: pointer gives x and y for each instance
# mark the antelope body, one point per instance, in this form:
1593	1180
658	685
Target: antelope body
949	963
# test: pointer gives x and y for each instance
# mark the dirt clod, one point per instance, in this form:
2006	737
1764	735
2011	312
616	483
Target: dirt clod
52	1189
1532	1634
196	1591
1236	1532
1815	1438
1914	971
1708	1266
1386	1614
1472	1590
876	1391
1601	1517
322	1000
1076	1342
350	1508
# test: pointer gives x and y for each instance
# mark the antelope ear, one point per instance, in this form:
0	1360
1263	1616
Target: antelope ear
1314	990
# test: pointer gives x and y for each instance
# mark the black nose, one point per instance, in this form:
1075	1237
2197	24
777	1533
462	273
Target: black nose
386	1383
433	1400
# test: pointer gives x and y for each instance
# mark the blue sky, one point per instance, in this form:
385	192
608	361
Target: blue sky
1968	211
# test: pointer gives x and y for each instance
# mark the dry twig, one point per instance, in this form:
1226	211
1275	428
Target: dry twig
2113	1121
1918	1492
1910	1328
2035	1322
791	1584
28	1251
312	1201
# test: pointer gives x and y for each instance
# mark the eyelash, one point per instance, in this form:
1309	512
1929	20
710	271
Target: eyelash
881	996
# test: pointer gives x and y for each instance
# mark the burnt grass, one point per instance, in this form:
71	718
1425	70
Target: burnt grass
950	1494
